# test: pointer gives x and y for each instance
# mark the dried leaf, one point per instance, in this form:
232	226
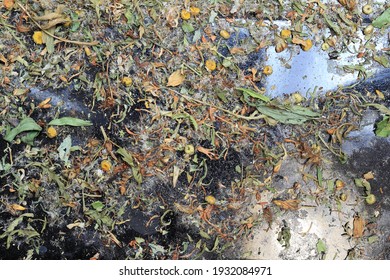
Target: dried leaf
358	226
369	175
27	124
175	79
290	204
18	207
70	121
49	16
45	103
383	20
349	4
207	152
236	50
185	209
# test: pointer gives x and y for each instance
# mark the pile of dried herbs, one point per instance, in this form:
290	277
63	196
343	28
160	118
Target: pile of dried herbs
141	129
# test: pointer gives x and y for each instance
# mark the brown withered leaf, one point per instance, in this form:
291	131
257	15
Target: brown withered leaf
349	4
45	104
175	79
290	204
184	208
207	152
49	16
358	226
280	44
236	50
18	207
369	175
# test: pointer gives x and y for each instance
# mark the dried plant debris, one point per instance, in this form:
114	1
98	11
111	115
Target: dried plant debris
143	130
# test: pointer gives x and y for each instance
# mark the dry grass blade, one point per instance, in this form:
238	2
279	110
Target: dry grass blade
290	204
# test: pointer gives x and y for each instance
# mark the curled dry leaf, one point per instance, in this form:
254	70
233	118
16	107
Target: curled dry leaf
290	204
45	104
207	152
358	226
280	44
18	207
349	4
184	208
175	79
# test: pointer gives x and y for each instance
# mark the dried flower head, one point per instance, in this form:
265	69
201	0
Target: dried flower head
185	15
105	165
38	37
51	132
211	65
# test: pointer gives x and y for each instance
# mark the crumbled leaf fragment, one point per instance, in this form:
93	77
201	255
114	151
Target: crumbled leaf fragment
175	79
321	247
64	149
97	205
358	226
383	20
383	127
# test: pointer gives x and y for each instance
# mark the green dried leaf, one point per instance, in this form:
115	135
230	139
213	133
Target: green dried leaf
321	247
15	223
255	94
70	121
27	124
187	27
373	239
128	158
293	115
97	205
383	127
204	234
383	20
213	15
64	149
157	249
383	60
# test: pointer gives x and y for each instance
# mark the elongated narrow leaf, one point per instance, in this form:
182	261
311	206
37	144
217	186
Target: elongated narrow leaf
128	158
27	124
287	114
255	94
70	121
